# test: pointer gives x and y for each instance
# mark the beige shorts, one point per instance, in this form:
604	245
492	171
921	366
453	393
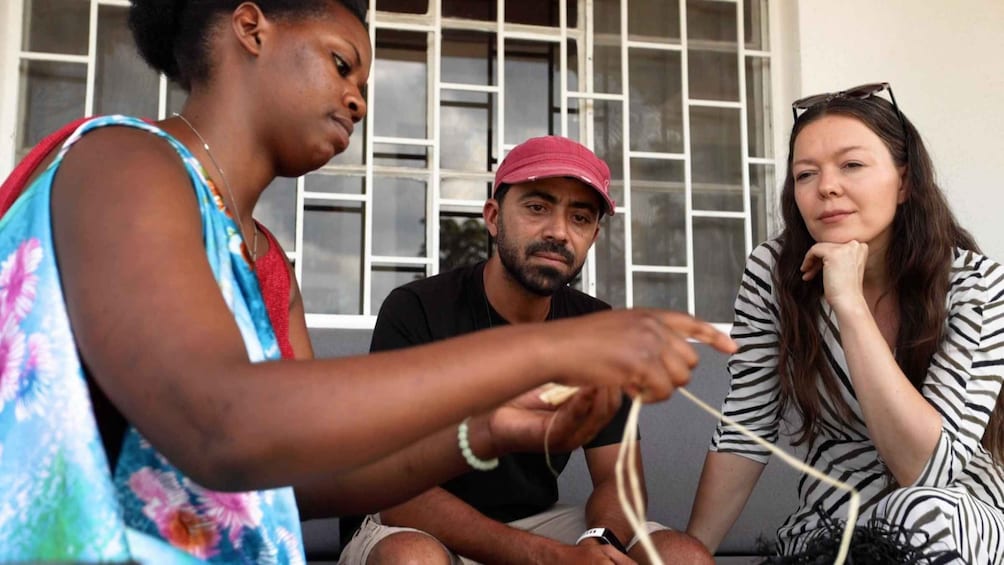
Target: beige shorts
561	523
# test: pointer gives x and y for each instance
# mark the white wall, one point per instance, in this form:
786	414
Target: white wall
945	61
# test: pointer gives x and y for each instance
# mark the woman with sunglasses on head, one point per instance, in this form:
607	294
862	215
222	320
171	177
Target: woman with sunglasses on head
139	411
875	317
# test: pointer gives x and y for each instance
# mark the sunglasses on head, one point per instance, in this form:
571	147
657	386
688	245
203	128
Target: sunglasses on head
859	92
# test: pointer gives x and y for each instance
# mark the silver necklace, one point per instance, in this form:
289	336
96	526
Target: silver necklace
230	191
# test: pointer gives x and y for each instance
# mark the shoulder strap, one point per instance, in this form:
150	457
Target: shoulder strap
17	181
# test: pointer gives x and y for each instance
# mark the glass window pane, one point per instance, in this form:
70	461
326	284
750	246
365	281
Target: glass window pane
607	67
762	189
463	240
755	21
387	278
123	83
470	9
464	189
718	197
403	6
760	126
276	209
656	101
714	74
467	138
53	95
572	65
530	69
399	217
606	16
609	248
538	12
719	258
392	155
400	84
607	47
468	57
660	290
333	257
334	182
608	131
658	213
713	50
574	124
711	20
56	26
715	146
654	20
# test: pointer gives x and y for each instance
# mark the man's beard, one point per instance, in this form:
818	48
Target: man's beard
540	280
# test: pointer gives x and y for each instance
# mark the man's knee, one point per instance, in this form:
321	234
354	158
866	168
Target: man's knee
408	548
677	548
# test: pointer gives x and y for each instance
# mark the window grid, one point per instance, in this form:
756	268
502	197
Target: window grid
584	94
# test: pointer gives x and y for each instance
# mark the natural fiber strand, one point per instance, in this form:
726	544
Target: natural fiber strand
629	485
855	500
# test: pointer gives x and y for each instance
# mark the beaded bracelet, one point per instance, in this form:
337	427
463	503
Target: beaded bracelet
465	450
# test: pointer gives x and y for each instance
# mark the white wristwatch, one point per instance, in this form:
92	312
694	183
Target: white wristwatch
606	537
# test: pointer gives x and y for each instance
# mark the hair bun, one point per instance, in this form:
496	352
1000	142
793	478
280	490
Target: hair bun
154	25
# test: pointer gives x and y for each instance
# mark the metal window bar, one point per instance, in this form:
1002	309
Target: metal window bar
434	24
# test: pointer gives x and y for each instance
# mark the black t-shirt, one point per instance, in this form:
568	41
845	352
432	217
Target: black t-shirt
452	304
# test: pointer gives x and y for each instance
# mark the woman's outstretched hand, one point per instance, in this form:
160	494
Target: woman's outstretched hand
644	352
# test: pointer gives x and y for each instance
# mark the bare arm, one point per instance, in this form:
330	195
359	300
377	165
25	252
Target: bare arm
603	508
726	483
901	422
518	426
152	327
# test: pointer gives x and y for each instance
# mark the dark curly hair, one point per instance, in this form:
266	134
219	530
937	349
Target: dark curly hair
172	35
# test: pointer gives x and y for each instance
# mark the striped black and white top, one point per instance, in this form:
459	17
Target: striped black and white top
962	383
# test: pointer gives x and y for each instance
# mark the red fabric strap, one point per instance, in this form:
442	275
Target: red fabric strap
17	180
273	278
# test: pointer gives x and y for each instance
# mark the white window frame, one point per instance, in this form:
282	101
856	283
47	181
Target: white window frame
433	23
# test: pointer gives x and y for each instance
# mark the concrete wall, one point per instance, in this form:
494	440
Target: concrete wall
944	61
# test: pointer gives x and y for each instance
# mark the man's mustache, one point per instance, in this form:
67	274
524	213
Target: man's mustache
550	247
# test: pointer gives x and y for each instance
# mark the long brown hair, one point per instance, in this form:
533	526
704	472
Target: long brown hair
919	259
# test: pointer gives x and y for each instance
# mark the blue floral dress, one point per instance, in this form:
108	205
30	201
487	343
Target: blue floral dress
59	500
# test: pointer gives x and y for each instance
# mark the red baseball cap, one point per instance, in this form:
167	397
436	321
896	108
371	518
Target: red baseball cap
555	156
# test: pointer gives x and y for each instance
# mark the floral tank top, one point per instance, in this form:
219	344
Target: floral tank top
59	501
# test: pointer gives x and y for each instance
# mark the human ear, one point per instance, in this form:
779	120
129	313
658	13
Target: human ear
490	212
250	26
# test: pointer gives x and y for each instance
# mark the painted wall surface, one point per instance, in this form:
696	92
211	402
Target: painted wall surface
945	61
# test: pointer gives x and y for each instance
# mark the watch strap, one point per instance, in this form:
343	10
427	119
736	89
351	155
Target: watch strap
605	536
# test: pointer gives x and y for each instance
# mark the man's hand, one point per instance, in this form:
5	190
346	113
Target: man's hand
521	424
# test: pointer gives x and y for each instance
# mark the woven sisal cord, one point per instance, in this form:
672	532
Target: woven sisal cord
629	486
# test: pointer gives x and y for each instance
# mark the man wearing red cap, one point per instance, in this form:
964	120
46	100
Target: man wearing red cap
548	198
